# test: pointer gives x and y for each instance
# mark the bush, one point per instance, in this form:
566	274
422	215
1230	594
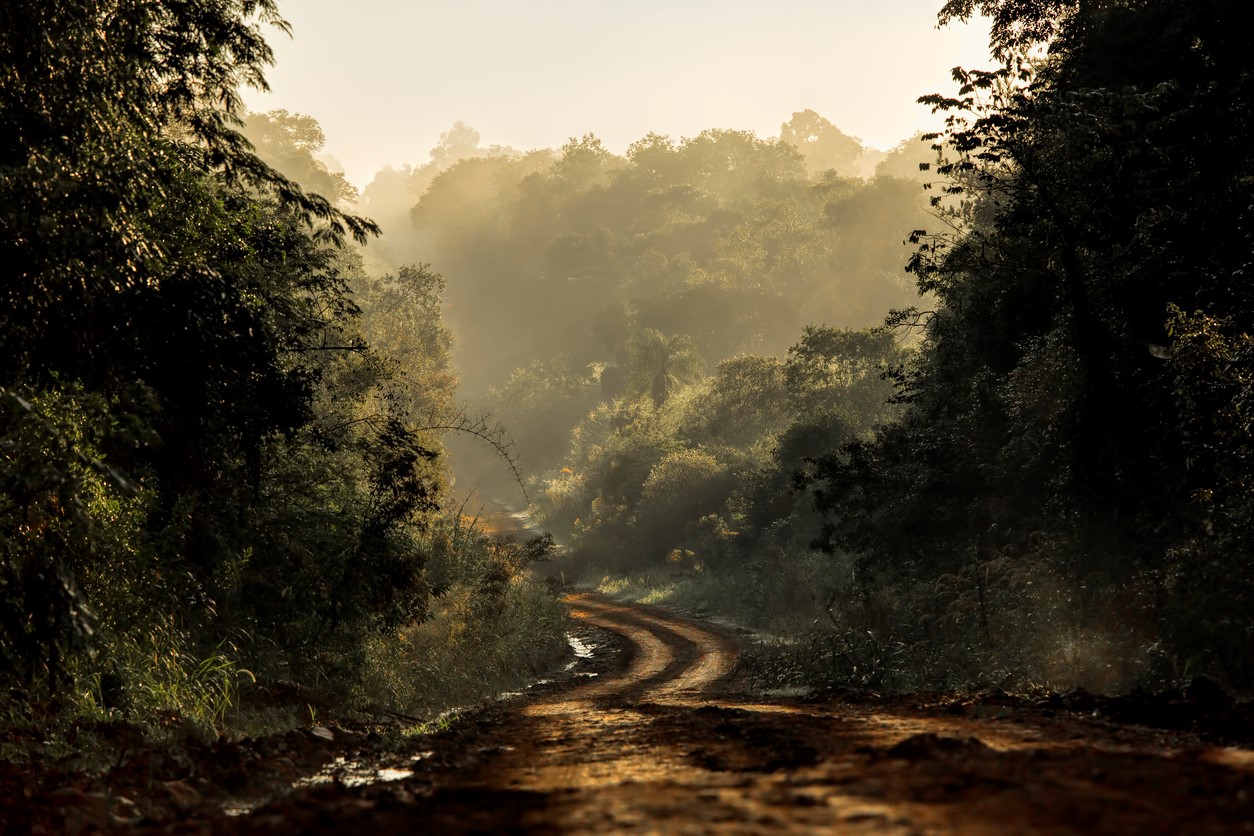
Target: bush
66	517
680	489
491	627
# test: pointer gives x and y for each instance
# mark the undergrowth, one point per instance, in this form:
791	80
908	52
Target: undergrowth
490	627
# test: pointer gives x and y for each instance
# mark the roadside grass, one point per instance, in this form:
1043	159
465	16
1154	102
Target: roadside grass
468	650
493	627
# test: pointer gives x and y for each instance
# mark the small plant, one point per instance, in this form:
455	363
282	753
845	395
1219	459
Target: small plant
164	676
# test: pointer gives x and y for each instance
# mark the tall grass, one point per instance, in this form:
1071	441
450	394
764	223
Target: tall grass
492	627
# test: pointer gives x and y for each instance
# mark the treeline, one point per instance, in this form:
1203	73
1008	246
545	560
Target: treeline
644	325
723	244
629	320
219	449
724	237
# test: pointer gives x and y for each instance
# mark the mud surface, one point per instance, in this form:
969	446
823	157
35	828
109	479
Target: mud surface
657	736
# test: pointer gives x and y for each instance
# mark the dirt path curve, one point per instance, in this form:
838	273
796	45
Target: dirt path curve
662	743
672	659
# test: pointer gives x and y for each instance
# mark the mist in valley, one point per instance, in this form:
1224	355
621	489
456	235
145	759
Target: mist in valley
966	407
655	352
694	360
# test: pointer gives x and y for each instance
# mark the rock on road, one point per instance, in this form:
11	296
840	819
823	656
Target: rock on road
661	742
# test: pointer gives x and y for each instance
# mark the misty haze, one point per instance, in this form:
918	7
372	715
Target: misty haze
698	418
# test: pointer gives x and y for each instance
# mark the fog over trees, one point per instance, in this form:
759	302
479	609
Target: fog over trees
972	412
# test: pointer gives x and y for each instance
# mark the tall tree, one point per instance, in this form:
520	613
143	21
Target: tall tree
823	145
174	315
658	364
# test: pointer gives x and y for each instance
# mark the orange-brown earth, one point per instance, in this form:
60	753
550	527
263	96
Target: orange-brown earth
657	735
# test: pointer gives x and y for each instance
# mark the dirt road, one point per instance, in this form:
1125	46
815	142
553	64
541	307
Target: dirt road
660	742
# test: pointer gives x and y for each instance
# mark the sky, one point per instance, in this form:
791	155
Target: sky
385	78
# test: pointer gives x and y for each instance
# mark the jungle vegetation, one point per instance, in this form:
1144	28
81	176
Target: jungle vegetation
221	459
1026	466
974	412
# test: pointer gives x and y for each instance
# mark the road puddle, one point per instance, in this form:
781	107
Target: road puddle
358	773
583	650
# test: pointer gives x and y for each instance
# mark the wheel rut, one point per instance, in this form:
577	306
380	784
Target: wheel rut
665	742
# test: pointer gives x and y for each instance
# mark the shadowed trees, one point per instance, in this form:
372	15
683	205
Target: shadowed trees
1098	194
202	455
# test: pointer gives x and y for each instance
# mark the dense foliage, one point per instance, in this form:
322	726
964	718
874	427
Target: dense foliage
580	277
219	437
630	318
222	428
1069	476
1057	492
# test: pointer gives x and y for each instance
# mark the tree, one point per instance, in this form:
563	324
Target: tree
183	355
909	159
833	367
683	487
1017	24
460	142
402	321
824	146
291	142
747	398
658	364
104	109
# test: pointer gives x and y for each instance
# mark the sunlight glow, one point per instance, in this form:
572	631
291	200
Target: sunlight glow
385	78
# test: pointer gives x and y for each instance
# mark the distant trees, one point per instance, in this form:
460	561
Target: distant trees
824	146
393	192
681	236
291	143
615	282
713	465
657	365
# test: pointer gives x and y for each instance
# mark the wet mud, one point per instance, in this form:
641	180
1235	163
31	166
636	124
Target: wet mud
655	733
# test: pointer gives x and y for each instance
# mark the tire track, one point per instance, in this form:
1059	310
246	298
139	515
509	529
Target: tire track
661	742
672	658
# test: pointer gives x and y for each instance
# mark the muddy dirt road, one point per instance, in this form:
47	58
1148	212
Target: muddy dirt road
660	741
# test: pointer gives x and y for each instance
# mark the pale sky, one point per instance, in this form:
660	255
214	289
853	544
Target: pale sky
385	78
